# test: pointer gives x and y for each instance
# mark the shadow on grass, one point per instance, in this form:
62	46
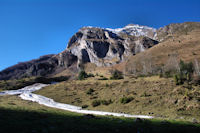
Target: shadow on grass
20	121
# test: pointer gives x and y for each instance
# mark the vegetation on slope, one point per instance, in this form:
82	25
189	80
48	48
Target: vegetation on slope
155	96
20	83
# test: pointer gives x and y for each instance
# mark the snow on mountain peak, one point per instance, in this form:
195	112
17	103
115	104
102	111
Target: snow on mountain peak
136	30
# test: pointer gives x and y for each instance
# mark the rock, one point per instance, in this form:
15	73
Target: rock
105	48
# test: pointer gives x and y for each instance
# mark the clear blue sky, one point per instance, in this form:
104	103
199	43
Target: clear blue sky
31	28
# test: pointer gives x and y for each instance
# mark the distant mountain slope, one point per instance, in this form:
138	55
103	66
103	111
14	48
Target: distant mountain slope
176	29
179	40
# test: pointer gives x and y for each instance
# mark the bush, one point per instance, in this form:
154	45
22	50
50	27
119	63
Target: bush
96	103
84	106
106	102
186	68
82	75
90	91
103	78
90	75
116	74
178	78
185	74
168	74
107	85
99	102
125	100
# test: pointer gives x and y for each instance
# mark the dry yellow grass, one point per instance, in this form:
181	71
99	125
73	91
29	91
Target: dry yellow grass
155	96
186	47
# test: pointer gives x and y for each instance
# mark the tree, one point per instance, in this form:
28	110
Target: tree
196	67
147	67
172	64
185	74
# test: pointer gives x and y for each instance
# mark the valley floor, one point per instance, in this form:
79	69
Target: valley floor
21	116
154	96
26	94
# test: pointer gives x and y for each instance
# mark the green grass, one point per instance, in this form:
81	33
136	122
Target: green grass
20	116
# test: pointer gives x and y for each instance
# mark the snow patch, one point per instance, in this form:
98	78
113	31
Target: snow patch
136	30
47	101
27	89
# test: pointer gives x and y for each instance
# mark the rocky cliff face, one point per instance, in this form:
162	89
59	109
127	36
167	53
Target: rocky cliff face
103	47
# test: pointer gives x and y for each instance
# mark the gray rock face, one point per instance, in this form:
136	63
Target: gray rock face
105	48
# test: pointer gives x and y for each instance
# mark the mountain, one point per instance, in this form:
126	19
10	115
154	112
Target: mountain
104	47
177	42
136	30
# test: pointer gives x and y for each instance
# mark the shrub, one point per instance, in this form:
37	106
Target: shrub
185	73
107	85
103	78
82	75
90	91
96	103
167	74
84	106
186	68
178	78
106	102
125	100
116	74
99	102
90	75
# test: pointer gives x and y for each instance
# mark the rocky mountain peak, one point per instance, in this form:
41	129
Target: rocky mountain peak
136	30
105	47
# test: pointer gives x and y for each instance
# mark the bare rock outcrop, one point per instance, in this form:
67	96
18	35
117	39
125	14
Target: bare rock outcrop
105	48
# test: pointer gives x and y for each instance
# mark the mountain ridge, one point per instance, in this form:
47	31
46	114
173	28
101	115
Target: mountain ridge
96	45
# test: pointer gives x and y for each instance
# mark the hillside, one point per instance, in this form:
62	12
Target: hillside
155	96
183	44
21	116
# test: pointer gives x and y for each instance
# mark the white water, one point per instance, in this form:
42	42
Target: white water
26	94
